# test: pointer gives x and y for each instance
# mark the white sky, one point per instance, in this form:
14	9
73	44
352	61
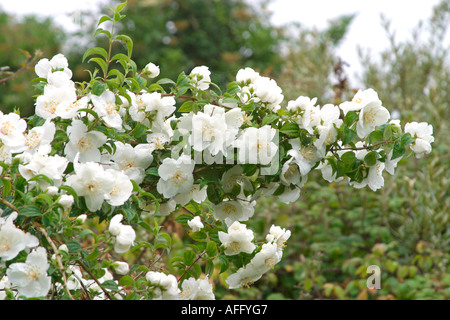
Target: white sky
365	30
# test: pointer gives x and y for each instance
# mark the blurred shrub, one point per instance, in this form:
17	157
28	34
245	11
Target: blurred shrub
19	40
338	231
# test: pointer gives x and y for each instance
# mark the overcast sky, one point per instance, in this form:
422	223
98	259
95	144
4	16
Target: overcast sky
365	30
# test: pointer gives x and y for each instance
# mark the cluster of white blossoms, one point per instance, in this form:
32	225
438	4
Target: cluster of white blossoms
29	278
270	254
78	144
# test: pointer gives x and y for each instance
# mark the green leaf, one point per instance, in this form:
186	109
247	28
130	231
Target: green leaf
349	136
188	257
111	285
120	7
30	211
348	157
350	118
98	88
211	249
224	264
73	246
290	129
183	218
371	158
101	63
92	51
165	81
186	106
209	268
103	19
121	57
127	281
128	42
269	119
398	150
375	136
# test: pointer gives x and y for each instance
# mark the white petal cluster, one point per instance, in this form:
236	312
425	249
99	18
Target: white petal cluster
238	239
124	234
195	224
201	77
197	289
269	255
14	240
423	134
256	145
176	176
165	287
30	277
259	89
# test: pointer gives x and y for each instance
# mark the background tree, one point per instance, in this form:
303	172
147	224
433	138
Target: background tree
21	40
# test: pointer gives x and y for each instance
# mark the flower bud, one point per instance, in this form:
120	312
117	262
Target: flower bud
151	70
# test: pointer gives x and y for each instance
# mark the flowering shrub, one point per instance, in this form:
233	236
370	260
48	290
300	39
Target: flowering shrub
124	151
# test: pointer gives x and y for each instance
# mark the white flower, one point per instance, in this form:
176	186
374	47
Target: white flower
310	118
200	77
360	100
132	161
195	224
256	145
167	208
166	286
106	108
13	240
200	289
304	156
175	176
390	164
371	115
52	167
122	188
208	130
45	67
151	70
52	190
57	102
247	76
278	236
30	278
233	210
92	182
158	140
81	219
329	121
268	92
265	259
124	234
83	142
234	177
39	138
243	277
12	128
159	108
374	179
301	104
4	284
66	201
237	240
423	134
196	194
121	267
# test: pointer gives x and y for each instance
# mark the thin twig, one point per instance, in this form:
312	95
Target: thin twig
58	258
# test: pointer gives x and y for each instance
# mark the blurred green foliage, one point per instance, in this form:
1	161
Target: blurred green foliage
337	231
20	39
